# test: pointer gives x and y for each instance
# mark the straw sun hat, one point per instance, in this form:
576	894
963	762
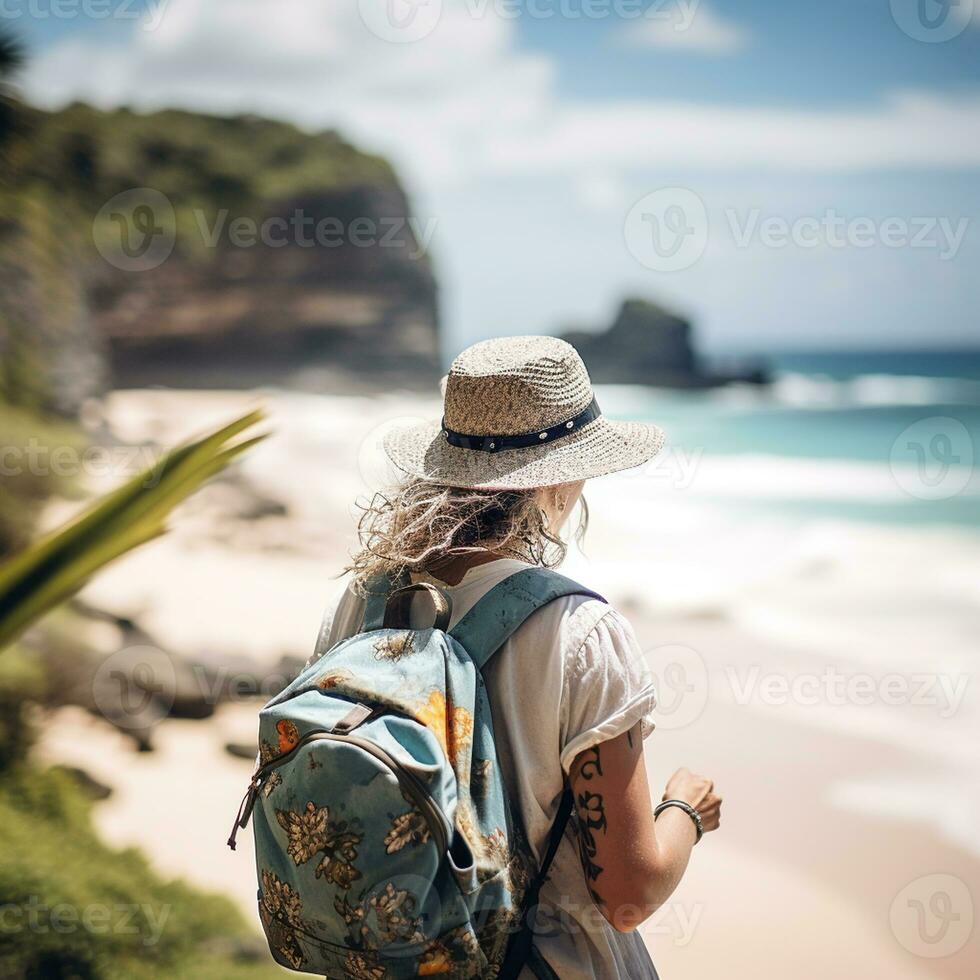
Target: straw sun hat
520	413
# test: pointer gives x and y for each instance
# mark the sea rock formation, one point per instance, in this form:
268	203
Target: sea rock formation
646	344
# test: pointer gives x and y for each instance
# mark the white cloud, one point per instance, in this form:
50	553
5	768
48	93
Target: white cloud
466	103
600	193
431	103
910	129
688	27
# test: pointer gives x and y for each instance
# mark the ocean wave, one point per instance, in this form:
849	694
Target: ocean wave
791	389
763	477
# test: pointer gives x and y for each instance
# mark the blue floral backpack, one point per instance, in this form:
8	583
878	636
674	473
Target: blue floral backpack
384	840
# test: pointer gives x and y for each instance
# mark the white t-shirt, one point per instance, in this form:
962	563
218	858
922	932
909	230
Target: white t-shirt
571	677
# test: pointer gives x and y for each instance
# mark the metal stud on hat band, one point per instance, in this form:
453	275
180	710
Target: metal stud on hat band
499	443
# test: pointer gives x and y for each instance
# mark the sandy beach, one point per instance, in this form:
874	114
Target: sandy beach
840	724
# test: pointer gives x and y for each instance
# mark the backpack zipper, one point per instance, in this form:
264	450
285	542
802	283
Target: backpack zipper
420	796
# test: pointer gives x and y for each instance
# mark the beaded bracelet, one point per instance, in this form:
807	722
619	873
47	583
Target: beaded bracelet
687	808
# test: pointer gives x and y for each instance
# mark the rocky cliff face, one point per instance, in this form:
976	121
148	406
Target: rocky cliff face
255	309
228	251
648	345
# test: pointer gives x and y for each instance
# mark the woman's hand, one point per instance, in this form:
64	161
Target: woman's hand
699	792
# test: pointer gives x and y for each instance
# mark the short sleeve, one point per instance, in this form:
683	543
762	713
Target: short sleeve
607	688
342	619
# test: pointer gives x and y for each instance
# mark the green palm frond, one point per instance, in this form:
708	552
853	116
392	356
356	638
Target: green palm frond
57	565
11	55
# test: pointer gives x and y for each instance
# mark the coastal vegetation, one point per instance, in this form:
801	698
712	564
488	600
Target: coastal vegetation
76	908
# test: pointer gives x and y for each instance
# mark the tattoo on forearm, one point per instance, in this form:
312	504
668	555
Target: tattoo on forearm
591	820
629	737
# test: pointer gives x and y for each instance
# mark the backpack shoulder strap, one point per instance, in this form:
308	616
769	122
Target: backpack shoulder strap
378	590
521	951
481	632
492	621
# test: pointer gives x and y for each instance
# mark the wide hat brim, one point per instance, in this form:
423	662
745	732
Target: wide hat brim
597	449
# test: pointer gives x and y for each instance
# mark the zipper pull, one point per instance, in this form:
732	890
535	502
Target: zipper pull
244	810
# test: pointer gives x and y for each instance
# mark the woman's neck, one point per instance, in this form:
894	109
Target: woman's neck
452	570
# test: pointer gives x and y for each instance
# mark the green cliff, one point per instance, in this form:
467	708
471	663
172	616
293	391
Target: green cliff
181	248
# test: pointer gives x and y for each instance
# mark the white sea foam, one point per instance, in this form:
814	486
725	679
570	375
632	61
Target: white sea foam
883	593
808	595
810	391
763	477
814	391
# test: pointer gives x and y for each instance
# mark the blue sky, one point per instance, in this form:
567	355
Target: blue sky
529	134
835	52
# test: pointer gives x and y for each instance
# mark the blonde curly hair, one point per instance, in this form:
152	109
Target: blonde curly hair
418	526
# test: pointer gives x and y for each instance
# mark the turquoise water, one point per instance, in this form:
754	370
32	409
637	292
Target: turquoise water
843	407
849	433
850	364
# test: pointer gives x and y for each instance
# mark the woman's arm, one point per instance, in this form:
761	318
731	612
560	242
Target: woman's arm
631	864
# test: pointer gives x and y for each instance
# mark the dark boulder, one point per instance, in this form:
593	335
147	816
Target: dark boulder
647	344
